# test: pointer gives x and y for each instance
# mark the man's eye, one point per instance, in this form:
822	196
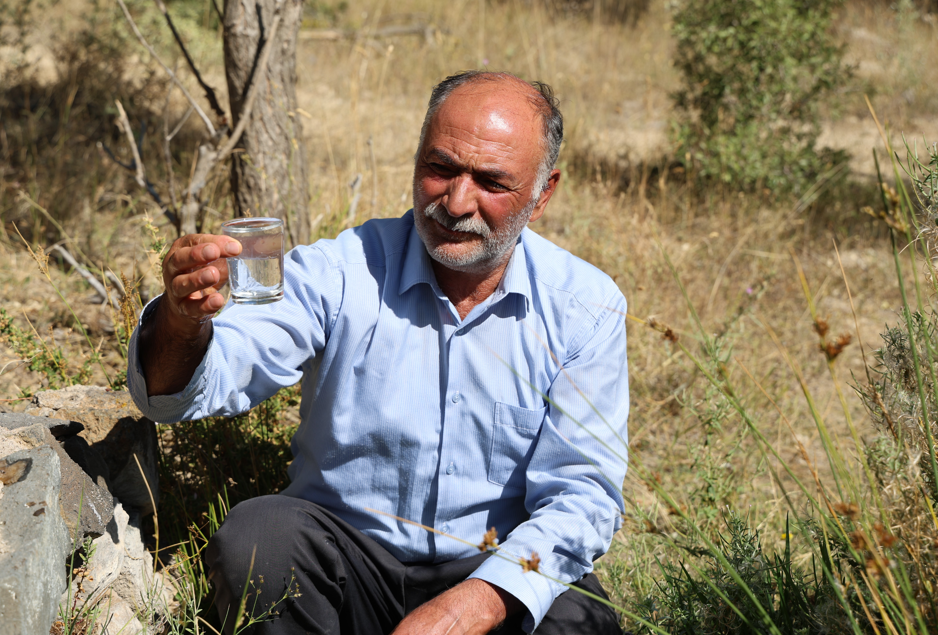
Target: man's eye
494	185
440	168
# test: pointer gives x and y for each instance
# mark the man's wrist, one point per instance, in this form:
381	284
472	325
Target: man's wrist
170	348
492	601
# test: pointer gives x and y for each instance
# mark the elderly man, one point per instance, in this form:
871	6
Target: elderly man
460	373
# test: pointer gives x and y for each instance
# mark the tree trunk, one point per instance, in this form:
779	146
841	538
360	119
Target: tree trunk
269	178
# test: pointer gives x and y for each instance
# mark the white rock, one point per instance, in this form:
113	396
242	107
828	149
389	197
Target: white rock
118	618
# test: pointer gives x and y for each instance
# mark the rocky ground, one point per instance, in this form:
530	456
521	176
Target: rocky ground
78	475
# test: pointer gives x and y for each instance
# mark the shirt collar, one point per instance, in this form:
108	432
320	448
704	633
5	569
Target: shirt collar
418	269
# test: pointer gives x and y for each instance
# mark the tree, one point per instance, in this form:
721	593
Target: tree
269	178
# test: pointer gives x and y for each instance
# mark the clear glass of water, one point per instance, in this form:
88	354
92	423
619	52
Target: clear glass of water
256	275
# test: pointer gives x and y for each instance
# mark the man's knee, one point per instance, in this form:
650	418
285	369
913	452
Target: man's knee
252	533
255	549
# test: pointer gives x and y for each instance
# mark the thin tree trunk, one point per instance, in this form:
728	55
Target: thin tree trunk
269	178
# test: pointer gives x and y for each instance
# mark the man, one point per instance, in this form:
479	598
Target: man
459	373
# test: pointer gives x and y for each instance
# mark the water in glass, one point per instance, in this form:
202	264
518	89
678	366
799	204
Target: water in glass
256	275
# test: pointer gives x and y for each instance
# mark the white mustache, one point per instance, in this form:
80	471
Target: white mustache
467	225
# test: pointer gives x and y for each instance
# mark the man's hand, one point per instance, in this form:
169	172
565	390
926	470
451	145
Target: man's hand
473	607
174	341
193	271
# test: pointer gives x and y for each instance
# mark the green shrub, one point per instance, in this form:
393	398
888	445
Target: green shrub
753	73
797	602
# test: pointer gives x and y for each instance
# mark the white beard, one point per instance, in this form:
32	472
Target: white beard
495	246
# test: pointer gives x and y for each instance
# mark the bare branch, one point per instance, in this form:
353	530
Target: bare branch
259	78
150	188
182	122
172	75
124	124
209	91
167	155
89	278
208	156
356	187
428	31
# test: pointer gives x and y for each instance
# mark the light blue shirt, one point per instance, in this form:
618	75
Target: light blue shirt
513	418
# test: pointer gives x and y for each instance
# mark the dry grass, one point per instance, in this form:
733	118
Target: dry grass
364	99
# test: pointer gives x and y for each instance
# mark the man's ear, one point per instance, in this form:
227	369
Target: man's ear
552	182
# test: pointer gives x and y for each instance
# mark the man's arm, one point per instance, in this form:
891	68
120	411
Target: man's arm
173	342
473	607
252	351
574	478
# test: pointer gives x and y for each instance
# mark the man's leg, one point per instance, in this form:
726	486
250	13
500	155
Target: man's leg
347	582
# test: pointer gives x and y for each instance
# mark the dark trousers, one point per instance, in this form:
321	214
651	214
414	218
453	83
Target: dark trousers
347	583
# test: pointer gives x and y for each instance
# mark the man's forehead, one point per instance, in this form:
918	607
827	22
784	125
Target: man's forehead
498	106
509	92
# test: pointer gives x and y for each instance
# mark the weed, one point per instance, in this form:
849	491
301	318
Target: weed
42	358
798	602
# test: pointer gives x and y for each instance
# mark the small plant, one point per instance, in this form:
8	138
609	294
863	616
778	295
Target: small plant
797	602
41	357
753	75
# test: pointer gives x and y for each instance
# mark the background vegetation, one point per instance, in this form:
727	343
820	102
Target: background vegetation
782	470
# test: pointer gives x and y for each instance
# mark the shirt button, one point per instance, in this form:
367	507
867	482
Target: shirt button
450	469
444	528
457	397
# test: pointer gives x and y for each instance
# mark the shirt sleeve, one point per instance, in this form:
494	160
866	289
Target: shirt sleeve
254	350
574	479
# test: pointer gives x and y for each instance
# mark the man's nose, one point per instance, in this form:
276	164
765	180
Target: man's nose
461	197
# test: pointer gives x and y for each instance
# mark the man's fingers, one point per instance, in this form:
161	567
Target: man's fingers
197	250
202	304
184	285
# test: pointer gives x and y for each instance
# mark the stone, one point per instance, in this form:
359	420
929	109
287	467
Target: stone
85	506
33	542
10	421
101	570
118	618
136	575
150	593
88	459
119	578
116	430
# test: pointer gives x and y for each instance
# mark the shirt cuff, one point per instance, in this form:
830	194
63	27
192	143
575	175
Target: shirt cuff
533	590
162	408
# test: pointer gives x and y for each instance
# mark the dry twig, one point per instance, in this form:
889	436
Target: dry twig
128	131
172	75
87	275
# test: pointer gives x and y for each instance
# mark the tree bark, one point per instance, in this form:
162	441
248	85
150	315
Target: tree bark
269	178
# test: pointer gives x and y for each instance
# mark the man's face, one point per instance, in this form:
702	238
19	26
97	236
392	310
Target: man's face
475	174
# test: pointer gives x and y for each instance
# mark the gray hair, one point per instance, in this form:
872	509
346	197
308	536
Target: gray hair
544	102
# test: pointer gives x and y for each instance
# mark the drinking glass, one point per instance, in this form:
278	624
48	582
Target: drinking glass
256	275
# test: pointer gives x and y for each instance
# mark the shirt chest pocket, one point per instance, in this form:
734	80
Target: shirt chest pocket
513	442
